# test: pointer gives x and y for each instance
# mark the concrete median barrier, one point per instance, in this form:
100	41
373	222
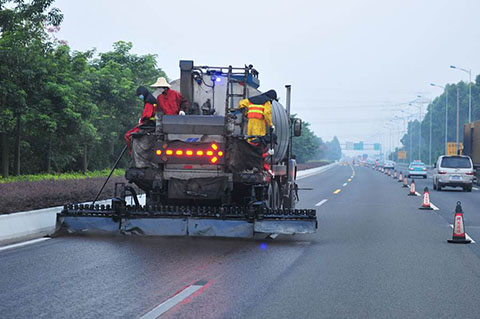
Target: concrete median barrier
21	226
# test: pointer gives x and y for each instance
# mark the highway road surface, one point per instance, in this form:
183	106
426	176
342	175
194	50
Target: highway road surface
375	255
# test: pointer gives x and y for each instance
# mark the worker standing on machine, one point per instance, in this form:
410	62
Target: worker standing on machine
148	115
170	102
259	115
259	112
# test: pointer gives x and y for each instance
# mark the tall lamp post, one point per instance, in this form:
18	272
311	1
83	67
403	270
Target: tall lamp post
469	72
427	100
406	120
446	112
419	129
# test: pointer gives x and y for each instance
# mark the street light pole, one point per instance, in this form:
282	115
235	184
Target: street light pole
410	146
470	96
420	134
446	119
446	112
458	118
469	71
430	143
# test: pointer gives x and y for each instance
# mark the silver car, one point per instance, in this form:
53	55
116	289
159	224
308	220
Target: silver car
454	171
389	165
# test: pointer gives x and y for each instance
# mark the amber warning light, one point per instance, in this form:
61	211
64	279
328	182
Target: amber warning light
174	154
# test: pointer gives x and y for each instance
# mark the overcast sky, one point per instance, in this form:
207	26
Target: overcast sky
352	64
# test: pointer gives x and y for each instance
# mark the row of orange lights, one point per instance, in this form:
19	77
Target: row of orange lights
198	153
188	153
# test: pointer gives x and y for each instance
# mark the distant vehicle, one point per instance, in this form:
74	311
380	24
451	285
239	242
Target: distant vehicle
454	171
389	165
417	168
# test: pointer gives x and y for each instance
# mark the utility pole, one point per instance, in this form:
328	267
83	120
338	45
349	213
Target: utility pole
430	143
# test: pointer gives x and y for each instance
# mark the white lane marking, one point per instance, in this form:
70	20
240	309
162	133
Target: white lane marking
314	171
344	184
273	236
434	207
320	203
466	236
171	302
416	193
25	243
475	188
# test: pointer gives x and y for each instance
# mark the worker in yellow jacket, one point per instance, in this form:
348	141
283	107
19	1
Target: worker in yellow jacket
259	112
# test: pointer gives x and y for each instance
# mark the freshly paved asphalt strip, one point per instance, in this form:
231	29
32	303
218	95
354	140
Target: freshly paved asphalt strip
375	255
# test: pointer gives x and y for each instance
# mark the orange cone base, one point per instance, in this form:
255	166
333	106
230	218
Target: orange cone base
459	240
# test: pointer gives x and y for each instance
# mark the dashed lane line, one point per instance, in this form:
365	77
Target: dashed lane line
173	301
434	207
320	203
475	188
337	191
466	236
349	180
345	184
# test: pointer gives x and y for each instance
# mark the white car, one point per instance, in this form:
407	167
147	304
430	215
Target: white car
454	171
389	165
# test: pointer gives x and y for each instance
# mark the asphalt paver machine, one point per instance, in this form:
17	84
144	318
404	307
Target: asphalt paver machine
200	173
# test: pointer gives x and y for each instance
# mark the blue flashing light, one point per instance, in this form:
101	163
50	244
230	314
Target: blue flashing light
218	79
263	246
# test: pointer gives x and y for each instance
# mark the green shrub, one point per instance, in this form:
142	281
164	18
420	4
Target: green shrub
61	176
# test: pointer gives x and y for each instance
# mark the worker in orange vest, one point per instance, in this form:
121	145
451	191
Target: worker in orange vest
259	112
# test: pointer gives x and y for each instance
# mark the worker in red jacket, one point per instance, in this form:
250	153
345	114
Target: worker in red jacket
148	115
170	102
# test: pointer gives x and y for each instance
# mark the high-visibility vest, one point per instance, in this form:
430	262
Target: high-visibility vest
255	111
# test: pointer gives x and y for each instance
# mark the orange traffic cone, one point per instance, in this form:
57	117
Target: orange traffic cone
412	189
405	181
400	177
394	174
426	200
458	236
